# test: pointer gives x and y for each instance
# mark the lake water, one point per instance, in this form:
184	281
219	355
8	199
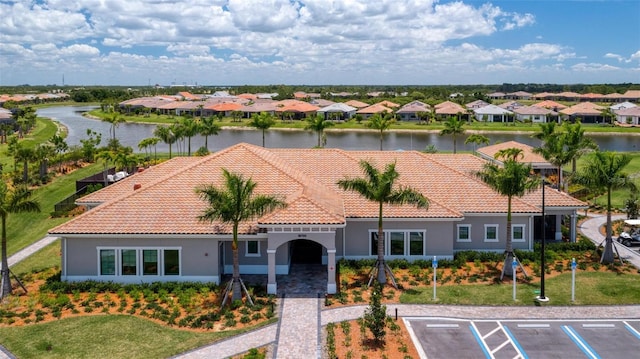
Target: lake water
130	134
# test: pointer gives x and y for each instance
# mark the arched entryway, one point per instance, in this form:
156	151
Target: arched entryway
304	251
315	247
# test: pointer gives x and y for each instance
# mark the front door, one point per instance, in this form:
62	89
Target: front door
304	251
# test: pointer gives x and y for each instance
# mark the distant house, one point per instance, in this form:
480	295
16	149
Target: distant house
373	109
518	95
534	114
476	104
496	95
510	105
628	116
357	104
587	112
492	113
537	162
622	105
145	228
338	112
448	108
411	111
551	105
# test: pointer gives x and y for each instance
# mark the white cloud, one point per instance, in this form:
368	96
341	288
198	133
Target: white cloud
277	41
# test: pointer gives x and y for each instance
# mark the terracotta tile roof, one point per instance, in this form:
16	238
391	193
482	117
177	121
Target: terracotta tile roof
356	104
550	105
528	156
449	108
373	109
533	110
306	179
224	106
583	108
387	103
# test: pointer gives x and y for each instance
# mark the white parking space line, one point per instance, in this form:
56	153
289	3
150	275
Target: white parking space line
598	325
534	326
443	326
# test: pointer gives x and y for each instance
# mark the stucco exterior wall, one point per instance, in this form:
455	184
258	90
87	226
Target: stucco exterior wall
198	257
478	232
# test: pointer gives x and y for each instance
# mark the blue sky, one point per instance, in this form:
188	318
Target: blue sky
318	42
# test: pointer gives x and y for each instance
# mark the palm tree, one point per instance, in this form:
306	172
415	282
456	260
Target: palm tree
318	124
263	122
26	155
512	179
453	126
232	204
604	172
554	149
15	200
167	136
188	128
114	119
477	139
381	123
379	187
578	144
208	127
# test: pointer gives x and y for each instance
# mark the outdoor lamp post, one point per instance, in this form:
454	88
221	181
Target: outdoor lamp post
541	297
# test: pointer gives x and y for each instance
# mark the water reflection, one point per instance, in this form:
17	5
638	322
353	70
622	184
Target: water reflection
130	134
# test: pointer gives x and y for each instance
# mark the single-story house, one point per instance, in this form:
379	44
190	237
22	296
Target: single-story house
145	228
338	111
374	109
628	116
537	162
587	112
534	114
492	113
412	111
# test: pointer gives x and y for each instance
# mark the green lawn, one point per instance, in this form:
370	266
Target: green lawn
112	336
26	228
592	288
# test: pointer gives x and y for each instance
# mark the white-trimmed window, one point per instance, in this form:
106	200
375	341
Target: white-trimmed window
138	261
252	249
463	233
518	233
399	242
491	233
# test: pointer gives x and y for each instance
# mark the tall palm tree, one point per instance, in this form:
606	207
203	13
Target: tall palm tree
263	122
208	127
381	123
454	127
16	200
114	119
379	187
604	171
578	144
188	128
477	139
512	179
318	124
234	203
554	148
167	136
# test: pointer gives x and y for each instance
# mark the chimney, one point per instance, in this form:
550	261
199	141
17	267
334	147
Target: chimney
137	186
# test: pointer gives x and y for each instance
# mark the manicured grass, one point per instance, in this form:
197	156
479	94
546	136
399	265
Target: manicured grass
112	336
26	228
43	131
47	257
592	288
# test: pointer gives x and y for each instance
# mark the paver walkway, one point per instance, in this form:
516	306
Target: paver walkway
298	332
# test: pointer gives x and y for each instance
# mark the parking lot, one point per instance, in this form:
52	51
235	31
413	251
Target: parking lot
457	338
